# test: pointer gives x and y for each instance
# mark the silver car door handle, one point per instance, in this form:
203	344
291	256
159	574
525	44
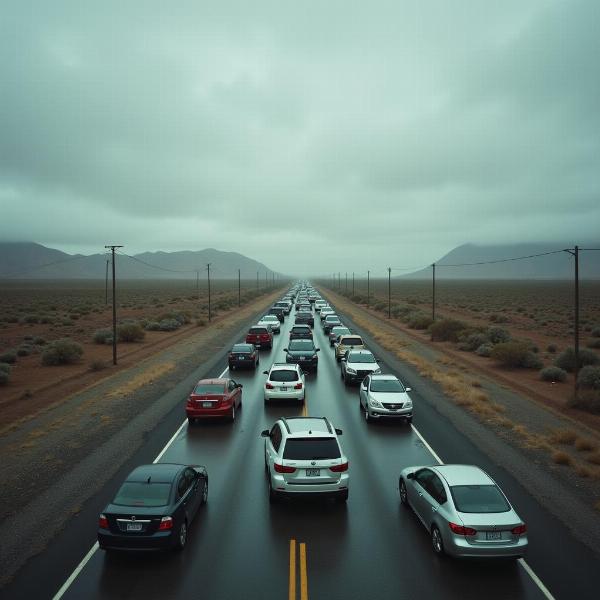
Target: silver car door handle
421	495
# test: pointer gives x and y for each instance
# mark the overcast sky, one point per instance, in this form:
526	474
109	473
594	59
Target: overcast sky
312	136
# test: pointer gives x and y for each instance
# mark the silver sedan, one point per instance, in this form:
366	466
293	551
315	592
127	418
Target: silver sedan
464	510
384	396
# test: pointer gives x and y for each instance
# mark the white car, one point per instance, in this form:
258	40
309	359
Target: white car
303	457
271	320
357	364
385	396
319	304
284	382
326	311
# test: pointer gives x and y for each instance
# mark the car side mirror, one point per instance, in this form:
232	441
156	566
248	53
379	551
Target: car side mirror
317	349
338	431
265	433
410	476
239	385
265	372
408	389
285	349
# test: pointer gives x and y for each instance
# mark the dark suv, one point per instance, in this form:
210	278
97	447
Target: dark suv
303	353
304	318
301	332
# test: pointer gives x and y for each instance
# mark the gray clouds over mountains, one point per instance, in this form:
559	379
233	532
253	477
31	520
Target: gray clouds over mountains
312	136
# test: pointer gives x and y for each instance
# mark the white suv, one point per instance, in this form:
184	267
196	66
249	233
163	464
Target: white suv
284	382
271	320
303	456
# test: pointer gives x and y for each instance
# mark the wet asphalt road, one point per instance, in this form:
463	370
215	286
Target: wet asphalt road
239	544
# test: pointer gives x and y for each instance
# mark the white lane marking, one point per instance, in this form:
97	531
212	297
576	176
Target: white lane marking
67	584
521	561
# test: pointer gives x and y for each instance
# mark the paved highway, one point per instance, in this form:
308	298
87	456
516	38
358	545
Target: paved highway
240	546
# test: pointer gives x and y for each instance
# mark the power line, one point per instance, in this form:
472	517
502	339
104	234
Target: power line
502	260
156	266
51	264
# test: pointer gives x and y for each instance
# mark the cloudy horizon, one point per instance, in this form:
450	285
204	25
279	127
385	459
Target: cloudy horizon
305	136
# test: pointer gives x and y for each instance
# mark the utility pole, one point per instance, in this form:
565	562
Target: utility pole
106	284
114	303
239	288
208	277
339	281
257	285
389	292
433	292
346	282
368	288
353	283
575	253
198	284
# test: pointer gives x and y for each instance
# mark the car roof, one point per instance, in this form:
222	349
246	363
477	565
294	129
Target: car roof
243	345
359	351
381	376
302	326
464	475
158	473
284	366
301	426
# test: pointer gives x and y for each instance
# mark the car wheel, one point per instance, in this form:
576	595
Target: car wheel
205	492
181	536
436	541
191	420
403	493
232	417
337	359
367	415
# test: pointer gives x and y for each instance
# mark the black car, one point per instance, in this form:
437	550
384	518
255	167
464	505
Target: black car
303	353
301	332
330	322
278	312
153	508
243	356
304	318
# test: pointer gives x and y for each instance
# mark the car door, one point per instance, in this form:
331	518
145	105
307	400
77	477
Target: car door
185	509
194	491
234	392
364	391
272	445
420	500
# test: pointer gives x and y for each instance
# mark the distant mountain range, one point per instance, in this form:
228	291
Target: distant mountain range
27	260
551	266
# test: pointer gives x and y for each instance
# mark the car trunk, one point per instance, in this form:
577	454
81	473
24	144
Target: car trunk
492	528
134	520
312	472
206	400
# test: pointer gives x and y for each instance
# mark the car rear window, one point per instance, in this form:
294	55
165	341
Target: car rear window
243	348
284	375
352	341
340	330
387	385
257	330
479	499
303	329
311	448
143	494
305	345
360	357
209	388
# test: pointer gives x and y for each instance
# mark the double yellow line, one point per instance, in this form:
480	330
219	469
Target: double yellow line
303	575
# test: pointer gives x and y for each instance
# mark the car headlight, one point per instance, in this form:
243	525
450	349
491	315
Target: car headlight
408	404
375	403
350	370
376	371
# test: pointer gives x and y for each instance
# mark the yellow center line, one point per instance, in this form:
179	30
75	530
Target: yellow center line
292	587
303	576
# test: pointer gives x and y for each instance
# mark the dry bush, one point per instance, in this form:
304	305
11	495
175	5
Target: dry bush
563	436
593	458
62	352
584	445
130	332
447	330
515	354
566	359
561	458
553	374
589	378
583	471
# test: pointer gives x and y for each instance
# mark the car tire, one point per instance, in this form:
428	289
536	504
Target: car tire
232	416
403	493
204	498
191	420
181	539
367	415
437	542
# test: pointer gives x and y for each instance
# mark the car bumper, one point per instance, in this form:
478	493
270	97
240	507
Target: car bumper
161	540
334	490
287	395
355	378
458	546
383	413
208	413
248	364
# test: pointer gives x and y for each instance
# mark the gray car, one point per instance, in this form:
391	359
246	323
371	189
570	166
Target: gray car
385	397
464	511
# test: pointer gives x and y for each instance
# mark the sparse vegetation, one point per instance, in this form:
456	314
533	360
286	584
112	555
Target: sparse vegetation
62	352
130	332
515	354
589	377
4	373
554	374
103	336
10	357
566	359
447	330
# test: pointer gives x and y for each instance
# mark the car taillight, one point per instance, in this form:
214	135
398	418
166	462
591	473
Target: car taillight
339	468
269	386
461	530
283	469
103	522
298	386
519	529
166	523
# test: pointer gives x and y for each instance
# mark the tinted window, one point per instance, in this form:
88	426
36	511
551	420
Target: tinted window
352	341
243	348
259	330
305	345
386	385
340	330
143	494
479	499
356	357
283	375
276	437
209	388
436	489
311	448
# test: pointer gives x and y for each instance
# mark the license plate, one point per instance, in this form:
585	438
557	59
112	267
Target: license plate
241	358
207	404
134	526
283	389
304	358
493	535
313	472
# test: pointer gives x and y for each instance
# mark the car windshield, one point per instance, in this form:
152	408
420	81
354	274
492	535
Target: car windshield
304	345
479	499
143	494
352	341
340	330
209	388
359	357
387	385
244	348
256	330
331	319
311	449
283	375
270	318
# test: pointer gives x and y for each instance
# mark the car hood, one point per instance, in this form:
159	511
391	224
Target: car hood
302	353
363	366
390	397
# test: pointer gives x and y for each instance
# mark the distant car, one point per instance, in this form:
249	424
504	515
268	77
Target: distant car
319	304
303	353
153	508
347	342
304	307
357	364
212	398
303	457
325	312
304	318
273	321
243	356
301	332
278	311
329	322
284	382
335	332
260	335
285	305
385	397
464	511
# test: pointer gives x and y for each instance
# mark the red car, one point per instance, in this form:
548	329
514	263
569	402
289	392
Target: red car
260	336
214	398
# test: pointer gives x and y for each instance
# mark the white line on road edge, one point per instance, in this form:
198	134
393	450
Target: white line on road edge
521	561
67	584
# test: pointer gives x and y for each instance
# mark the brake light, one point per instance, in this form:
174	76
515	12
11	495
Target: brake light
461	530
519	529
283	468
339	468
269	386
166	523
298	386
103	522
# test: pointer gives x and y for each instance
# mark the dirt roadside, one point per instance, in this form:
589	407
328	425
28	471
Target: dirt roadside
521	435
61	457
